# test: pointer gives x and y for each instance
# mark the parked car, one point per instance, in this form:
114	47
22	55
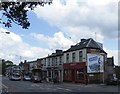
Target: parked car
36	79
112	81
26	78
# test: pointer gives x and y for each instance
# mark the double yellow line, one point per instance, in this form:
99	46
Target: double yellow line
3	86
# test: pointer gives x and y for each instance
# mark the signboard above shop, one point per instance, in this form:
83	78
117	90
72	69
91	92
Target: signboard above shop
95	63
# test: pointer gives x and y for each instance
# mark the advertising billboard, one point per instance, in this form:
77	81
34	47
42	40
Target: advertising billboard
95	63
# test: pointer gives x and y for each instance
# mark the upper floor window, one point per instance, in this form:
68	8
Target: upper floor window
53	62
67	58
56	60
73	57
60	60
80	55
49	62
45	62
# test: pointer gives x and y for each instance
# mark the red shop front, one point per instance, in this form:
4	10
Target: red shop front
75	72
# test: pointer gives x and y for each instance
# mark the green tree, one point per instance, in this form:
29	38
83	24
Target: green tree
117	71
16	12
6	64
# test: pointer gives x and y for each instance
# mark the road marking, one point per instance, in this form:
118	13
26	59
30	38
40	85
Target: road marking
68	89
64	89
2	85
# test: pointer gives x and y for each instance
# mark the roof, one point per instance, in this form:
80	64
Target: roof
85	43
58	53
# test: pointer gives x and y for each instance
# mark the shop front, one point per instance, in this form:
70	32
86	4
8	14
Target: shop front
75	72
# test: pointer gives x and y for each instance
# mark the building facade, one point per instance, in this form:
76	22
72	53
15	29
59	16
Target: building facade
53	65
89	57
85	62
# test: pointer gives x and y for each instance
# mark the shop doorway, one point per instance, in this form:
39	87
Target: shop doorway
73	75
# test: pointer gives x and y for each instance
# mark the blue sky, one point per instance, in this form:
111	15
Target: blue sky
52	26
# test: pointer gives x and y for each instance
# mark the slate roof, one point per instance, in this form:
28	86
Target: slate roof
56	54
86	43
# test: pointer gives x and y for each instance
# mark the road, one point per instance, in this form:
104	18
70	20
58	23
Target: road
27	86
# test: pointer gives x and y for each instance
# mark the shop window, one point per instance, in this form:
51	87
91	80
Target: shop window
80	74
66	73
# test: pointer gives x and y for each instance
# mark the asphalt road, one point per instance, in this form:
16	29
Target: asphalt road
27	86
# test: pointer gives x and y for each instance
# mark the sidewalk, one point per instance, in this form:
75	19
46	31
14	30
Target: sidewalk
73	84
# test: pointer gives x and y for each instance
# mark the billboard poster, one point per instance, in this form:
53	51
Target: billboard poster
95	63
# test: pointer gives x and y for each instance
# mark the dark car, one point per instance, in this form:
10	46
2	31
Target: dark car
112	81
36	79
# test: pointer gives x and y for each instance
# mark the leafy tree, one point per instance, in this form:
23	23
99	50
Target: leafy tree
6	64
117	71
16	12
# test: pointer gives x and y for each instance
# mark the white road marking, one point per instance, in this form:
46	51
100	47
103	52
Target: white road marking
64	89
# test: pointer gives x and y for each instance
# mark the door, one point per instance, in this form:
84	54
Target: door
73	75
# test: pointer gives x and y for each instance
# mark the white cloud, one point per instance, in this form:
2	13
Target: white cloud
85	13
12	47
113	53
58	41
77	19
84	19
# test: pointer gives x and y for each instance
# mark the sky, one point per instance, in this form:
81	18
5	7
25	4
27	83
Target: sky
60	25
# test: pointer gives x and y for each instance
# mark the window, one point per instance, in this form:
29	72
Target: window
67	58
80	74
49	62
80	56
66	73
73	57
45	62
56	60
52	63
60	60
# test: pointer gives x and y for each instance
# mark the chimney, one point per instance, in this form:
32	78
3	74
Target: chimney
83	40
72	46
58	51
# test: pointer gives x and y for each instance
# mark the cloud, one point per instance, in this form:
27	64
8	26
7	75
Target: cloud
84	19
58	41
113	53
12	47
75	14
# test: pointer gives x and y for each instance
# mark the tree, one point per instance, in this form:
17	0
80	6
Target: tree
117	71
6	64
16	12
